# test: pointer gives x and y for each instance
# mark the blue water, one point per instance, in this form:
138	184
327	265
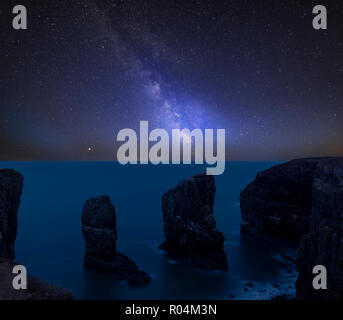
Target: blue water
50	243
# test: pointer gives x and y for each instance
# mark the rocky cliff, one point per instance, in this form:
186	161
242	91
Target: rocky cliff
189	225
11	184
279	200
100	233
324	243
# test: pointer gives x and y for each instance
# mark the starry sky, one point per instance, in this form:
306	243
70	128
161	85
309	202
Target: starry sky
83	70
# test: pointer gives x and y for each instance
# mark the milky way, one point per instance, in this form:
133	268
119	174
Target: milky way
86	69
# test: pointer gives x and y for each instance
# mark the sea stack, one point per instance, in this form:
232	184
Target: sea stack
11	185
189	225
279	200
100	233
324	243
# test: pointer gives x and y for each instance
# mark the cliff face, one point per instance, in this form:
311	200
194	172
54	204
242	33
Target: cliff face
189	225
324	243
11	184
302	199
100	233
279	200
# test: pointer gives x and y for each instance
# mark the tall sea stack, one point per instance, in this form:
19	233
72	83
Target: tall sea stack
189	225
99	231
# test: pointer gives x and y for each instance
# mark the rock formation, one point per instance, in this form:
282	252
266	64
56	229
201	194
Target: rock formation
302	199
324	243
279	200
36	289
100	233
11	184
189	225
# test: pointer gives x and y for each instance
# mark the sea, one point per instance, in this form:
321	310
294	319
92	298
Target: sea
50	243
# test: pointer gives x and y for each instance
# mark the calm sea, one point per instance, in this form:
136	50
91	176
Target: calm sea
50	243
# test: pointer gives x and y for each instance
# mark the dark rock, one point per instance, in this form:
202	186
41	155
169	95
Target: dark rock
246	289
189	225
282	297
121	266
276	285
99	231
11	184
99	228
287	258
324	243
36	289
279	200
231	296
249	284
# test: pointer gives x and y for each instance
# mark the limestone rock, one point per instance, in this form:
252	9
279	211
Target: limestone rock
11	184
323	245
189	225
100	233
279	200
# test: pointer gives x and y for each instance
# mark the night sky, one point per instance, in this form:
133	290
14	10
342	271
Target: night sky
86	69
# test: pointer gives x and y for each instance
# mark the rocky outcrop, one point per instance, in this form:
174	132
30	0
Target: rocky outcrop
279	200
324	243
189	225
11	184
36	289
99	231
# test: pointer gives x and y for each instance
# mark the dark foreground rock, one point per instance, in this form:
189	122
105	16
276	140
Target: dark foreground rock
279	200
99	231
36	289
324	243
189	225
11	184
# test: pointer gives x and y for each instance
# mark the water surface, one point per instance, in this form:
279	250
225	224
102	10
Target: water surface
51	246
